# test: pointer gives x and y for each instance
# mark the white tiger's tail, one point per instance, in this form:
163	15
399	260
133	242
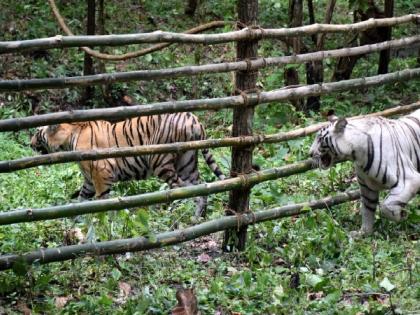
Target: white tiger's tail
208	157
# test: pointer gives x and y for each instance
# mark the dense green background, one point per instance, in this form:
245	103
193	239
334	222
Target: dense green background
303	265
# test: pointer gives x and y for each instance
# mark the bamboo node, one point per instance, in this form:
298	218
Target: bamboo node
246	98
259	35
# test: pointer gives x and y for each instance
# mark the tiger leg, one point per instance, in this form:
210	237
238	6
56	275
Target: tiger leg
164	168
187	168
369	202
393	206
87	191
101	176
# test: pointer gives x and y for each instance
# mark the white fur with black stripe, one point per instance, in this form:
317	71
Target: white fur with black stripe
386	155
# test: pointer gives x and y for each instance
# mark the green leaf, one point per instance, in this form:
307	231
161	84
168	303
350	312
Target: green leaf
143	217
148	58
387	285
314	280
20	267
116	274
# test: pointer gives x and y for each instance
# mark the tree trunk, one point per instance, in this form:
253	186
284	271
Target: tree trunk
191	7
384	56
88	61
345	65
315	69
242	126
106	88
291	76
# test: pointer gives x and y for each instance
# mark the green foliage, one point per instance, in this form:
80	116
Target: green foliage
298	265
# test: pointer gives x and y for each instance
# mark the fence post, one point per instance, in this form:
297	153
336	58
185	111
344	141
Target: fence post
242	124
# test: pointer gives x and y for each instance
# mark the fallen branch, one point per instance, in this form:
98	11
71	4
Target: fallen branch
123	112
48	255
98	154
147	75
134	54
159	36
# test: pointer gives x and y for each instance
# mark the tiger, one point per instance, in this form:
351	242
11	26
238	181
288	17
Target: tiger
176	169
386	156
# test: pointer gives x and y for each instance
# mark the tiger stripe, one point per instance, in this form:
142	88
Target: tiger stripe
386	154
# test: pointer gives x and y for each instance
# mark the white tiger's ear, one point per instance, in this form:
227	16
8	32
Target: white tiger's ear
340	125
331	116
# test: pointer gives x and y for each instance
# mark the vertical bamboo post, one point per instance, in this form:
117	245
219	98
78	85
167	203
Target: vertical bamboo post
242	124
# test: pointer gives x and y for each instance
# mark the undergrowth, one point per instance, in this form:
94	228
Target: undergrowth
297	265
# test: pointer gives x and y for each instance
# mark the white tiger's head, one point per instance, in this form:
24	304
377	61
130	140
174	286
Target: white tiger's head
53	138
325	149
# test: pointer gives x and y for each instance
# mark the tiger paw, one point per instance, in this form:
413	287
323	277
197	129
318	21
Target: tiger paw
356	235
393	213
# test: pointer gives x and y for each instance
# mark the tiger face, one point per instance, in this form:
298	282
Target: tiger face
49	139
325	150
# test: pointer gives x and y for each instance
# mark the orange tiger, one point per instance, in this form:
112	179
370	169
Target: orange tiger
176	169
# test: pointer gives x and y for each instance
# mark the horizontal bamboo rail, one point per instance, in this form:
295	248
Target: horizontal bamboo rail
123	112
48	255
168	37
69	210
146	75
98	154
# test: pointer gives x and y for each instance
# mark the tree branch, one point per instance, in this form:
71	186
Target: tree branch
134	54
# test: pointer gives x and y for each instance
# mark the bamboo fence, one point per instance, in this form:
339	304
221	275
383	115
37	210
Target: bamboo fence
60	41
48	255
146	75
98	154
252	99
73	209
245	100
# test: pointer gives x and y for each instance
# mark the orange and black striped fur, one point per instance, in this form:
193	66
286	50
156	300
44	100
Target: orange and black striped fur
177	169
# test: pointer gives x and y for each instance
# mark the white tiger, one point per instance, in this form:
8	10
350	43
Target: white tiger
386	155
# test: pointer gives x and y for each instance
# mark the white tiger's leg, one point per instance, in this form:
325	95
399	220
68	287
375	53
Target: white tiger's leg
393	206
369	201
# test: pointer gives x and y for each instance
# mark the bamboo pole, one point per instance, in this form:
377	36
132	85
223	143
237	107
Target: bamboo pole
208	39
120	246
123	112
73	209
147	75
99	154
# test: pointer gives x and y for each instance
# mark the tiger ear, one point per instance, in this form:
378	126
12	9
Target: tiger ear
52	128
331	116
340	125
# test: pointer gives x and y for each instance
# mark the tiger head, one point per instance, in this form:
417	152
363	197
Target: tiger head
327	147
53	138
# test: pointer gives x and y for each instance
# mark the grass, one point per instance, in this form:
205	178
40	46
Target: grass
299	265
